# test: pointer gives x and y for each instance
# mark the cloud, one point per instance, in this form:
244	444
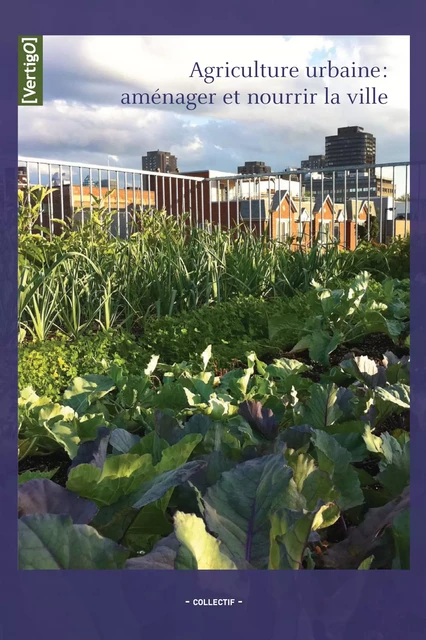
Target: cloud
84	77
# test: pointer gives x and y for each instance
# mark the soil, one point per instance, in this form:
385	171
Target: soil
370	465
374	346
58	460
337	531
401	421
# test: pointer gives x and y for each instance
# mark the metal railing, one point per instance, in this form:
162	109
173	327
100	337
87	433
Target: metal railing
337	204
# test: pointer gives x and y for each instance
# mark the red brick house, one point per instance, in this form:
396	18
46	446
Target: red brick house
299	221
289	218
357	213
279	218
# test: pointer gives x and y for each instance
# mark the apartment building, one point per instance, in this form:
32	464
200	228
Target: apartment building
351	146
254	166
161	161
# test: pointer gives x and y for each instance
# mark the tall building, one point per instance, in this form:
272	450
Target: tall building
313	162
351	146
162	161
254	166
365	187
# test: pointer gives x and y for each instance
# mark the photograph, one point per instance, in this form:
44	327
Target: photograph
214	302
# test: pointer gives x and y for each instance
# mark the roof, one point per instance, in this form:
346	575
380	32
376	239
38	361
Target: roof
278	197
211	173
307	208
353	206
257	213
311	206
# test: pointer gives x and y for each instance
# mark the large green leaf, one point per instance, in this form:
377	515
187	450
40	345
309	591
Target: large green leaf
321	409
60	423
322	344
318	486
238	507
326	515
285	368
376	322
66	434
366	371
175	396
288	538
152	444
156	483
88	425
116	520
372	442
85	390
397	369
27	476
204	549
392	399
156	488
350	435
302	464
176	455
171	458
335	460
95	386
42	496
54	542
395	468
149	525
217	463
121	475
122	441
134	390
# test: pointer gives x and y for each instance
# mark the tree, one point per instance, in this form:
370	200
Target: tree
403	198
374	230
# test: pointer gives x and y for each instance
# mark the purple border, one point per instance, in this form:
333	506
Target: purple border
302	606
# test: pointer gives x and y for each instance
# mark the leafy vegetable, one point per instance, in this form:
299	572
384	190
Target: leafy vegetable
203	551
238	507
54	542
361	540
42	496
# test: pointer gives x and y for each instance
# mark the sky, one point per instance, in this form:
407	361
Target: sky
82	118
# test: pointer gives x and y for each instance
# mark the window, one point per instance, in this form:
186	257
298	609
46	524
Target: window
282	229
337	232
324	232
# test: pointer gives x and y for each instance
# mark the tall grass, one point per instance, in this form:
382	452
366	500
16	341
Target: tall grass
86	279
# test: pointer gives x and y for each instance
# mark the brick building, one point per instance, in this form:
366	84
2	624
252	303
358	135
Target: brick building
313	162
351	146
75	204
300	220
162	161
253	167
